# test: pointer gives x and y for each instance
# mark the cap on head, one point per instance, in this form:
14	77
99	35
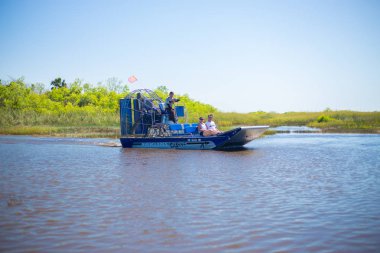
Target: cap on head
201	118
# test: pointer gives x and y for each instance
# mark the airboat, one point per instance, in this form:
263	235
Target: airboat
144	123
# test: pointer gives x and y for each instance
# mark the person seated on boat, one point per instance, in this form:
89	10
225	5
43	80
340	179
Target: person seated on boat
140	102
201	126
211	127
143	107
169	107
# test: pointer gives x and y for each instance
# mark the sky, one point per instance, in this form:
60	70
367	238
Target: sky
239	56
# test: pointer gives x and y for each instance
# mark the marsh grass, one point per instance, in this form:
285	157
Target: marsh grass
91	111
63	131
327	121
102	124
72	118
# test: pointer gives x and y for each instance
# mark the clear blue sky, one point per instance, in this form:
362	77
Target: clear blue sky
236	55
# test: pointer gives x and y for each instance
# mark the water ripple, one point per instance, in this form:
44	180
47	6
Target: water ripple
283	193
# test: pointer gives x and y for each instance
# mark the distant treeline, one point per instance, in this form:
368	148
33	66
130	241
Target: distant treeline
74	104
80	107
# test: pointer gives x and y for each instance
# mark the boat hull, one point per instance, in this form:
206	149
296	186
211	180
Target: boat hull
243	135
230	139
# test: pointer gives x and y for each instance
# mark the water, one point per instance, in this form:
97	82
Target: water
284	193
295	129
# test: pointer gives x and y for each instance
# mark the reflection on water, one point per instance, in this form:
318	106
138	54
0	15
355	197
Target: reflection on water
295	129
289	193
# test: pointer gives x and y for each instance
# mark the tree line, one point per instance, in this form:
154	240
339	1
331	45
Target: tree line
83	105
75	103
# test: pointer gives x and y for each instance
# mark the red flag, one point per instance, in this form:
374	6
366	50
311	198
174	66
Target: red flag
132	79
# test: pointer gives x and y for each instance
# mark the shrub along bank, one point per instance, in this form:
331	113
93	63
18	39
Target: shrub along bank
82	109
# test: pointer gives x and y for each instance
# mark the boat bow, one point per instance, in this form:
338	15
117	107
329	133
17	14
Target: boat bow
242	135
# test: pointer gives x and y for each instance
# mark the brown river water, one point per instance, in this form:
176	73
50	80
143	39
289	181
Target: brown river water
283	193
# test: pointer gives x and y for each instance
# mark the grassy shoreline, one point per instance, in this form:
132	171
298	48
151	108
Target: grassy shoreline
114	132
88	124
63	131
84	110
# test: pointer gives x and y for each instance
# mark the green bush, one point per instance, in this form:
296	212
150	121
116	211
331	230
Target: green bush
85	106
324	118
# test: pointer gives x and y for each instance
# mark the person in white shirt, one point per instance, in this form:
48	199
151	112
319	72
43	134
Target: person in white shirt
211	126
201	126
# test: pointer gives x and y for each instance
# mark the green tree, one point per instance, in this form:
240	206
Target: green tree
38	88
116	85
162	91
13	95
58	83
